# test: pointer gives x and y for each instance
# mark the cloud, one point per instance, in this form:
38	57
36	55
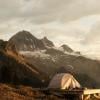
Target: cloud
44	11
94	34
93	37
74	22
65	10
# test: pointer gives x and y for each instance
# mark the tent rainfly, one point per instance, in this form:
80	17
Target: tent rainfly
64	81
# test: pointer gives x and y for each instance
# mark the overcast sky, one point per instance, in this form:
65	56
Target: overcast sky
74	22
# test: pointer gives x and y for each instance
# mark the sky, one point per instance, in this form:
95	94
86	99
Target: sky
72	22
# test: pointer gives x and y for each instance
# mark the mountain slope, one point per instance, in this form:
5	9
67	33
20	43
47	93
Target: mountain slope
77	65
3	44
15	69
50	60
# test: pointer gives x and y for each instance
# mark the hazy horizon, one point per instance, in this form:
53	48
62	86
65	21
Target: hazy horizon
72	22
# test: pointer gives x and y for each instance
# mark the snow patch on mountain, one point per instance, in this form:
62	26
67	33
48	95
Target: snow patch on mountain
66	52
38	53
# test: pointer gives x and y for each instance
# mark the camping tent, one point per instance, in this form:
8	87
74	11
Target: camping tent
64	81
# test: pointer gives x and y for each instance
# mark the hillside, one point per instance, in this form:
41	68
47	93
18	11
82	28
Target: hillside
16	70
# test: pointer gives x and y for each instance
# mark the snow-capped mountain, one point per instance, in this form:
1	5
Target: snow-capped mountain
48	58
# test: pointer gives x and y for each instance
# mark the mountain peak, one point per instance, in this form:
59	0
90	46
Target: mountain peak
23	33
66	48
47	42
45	38
25	41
